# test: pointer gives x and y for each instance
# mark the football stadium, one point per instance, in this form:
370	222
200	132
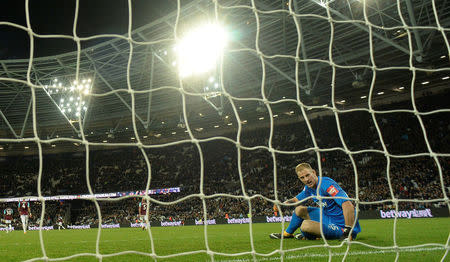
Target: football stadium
225	130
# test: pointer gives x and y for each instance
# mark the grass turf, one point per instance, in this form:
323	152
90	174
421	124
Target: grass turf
228	239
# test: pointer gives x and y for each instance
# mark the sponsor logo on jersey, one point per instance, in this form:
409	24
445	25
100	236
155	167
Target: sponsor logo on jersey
333	227
324	203
332	191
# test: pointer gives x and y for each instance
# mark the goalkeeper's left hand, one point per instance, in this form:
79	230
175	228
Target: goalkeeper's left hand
346	233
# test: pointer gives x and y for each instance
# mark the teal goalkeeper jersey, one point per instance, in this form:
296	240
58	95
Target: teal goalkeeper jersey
328	188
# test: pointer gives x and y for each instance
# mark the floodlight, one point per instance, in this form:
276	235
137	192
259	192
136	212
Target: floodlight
200	48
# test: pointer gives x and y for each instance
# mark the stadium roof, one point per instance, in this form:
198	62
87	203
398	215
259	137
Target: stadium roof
336	48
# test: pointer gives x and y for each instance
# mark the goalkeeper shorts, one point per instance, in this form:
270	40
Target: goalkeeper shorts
332	226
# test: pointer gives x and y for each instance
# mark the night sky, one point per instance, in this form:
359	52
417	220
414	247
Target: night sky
57	16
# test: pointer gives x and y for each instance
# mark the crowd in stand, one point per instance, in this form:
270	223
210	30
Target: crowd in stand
379	176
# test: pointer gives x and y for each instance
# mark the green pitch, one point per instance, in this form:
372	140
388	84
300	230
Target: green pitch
228	239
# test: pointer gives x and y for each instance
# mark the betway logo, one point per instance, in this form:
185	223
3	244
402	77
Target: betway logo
43	228
171	224
79	227
238	221
208	222
111	226
406	213
137	224
274	219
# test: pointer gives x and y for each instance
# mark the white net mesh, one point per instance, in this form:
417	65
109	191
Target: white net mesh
265	73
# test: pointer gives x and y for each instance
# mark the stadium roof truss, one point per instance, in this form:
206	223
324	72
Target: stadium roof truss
281	35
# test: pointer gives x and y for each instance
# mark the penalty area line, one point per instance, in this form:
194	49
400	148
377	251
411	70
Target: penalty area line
354	253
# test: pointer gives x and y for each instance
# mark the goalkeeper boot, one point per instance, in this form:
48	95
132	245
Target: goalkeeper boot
299	236
279	236
305	236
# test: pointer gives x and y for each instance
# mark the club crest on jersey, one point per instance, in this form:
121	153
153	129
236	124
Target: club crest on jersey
332	191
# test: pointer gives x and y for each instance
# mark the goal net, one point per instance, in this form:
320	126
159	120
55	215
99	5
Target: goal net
202	114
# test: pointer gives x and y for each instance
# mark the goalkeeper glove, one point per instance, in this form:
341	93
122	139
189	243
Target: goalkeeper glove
346	233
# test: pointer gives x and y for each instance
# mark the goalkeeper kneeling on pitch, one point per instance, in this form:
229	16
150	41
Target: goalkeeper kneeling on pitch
338	215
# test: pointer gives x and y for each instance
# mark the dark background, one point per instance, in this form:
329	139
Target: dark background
57	17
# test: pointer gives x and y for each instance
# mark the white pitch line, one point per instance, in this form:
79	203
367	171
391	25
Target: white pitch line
74	242
355	253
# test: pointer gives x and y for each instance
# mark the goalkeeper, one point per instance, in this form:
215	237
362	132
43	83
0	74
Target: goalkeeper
338	214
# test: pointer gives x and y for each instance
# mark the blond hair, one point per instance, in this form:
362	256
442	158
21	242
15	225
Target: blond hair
302	166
